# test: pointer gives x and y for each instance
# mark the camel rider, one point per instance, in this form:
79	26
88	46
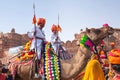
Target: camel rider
55	39
38	36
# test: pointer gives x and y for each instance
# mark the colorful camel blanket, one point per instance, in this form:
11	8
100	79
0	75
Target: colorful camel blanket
51	64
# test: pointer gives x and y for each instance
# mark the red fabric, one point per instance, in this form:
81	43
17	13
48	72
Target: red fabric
102	56
31	53
23	54
41	71
116	78
2	77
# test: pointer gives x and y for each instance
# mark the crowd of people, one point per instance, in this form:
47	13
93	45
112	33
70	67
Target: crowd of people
5	73
105	68
37	35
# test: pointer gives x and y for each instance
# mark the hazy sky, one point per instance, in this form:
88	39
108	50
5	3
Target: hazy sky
74	15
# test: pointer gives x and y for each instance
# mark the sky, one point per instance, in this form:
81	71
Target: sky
73	15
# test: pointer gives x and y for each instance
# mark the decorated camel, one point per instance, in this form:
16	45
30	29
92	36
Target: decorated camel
75	65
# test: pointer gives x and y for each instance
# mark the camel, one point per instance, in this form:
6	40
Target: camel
72	67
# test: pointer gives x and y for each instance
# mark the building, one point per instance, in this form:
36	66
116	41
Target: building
12	39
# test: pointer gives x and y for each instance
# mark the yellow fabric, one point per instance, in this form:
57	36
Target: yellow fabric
26	50
94	71
17	59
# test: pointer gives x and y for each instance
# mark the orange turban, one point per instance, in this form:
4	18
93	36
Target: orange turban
102	52
112	44
41	21
114	56
54	28
59	28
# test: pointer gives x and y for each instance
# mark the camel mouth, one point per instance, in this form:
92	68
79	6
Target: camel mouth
108	32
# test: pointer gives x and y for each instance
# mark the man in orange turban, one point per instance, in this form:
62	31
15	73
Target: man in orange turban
38	36
114	59
55	39
112	44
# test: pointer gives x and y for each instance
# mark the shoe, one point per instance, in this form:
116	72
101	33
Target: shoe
36	75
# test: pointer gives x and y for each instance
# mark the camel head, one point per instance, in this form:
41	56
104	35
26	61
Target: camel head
97	35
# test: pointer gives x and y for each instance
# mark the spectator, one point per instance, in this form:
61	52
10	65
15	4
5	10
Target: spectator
2	75
94	70
114	59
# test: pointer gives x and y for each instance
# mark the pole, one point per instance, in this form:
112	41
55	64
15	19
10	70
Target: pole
35	32
58	48
57	39
36	61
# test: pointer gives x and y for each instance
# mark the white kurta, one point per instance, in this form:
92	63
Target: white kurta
38	43
55	43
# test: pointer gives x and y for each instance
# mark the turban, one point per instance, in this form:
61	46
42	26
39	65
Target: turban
102	55
41	21
54	28
114	56
112	44
59	28
105	25
102	52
